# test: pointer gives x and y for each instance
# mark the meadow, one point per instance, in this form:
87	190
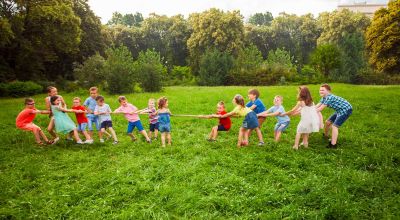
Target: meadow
196	179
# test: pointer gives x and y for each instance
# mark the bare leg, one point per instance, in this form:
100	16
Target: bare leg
86	134
259	134
245	133
101	133
305	140
144	133
215	129
150	134
277	135
37	136
296	141
212	133
76	135
335	134
240	136
155	133
114	136
169	138
163	139
321	120
43	136
133	138
50	128
328	125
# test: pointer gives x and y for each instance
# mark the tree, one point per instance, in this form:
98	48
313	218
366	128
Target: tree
261	37
129	20
214	28
91	72
245	66
326	58
353	57
150	71
383	39
119	70
214	68
261	19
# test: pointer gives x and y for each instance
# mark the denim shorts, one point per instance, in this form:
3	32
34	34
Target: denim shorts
82	126
132	125
250	121
164	128
339	120
154	126
106	124
281	126
93	119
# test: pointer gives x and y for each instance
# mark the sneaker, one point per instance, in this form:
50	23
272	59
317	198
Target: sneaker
101	140
332	146
261	143
115	142
55	140
80	142
90	141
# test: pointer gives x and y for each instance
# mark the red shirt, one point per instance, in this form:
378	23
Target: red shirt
226	122
25	117
80	117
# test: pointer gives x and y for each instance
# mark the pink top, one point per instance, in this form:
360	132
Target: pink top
127	110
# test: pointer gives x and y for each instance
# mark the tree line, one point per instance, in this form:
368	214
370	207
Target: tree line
61	41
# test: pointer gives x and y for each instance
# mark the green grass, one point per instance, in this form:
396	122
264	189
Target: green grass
197	179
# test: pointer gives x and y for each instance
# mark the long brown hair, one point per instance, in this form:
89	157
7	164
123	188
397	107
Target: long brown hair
161	102
305	95
239	100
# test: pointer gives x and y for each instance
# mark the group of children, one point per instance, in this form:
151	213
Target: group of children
95	111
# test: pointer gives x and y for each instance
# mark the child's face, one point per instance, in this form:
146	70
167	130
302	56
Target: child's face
57	101
124	103
76	102
53	92
30	105
93	94
100	102
323	91
220	108
166	104
234	101
252	97
151	104
277	101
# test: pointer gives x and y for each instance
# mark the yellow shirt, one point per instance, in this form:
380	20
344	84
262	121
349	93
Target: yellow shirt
241	111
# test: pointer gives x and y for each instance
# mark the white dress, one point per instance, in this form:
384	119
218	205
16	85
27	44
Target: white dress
309	121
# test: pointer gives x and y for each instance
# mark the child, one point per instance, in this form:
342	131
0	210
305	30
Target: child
249	123
153	118
103	110
343	110
257	106
81	119
90	104
131	114
62	121
164	120
276	110
309	121
224	123
25	119
52	91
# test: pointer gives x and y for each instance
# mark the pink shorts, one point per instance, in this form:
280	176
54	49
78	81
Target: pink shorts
29	127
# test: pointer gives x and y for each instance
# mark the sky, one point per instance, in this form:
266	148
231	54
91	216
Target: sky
105	8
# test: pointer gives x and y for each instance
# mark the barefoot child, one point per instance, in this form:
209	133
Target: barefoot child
81	119
276	110
52	91
250	121
257	106
62	121
131	114
103	110
343	110
164	114
309	121
25	119
224	123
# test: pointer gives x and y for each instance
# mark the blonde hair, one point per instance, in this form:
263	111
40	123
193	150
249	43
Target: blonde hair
93	89
77	98
279	97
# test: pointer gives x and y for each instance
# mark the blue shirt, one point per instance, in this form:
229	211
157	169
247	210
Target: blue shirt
280	109
91	104
260	107
339	104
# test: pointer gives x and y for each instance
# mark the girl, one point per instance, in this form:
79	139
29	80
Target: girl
153	118
62	121
309	121
52	91
250	121
164	120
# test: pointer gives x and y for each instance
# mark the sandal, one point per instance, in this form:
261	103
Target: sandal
50	142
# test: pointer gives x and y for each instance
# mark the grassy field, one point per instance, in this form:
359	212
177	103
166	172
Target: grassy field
202	180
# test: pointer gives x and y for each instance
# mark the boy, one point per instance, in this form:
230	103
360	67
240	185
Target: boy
103	110
25	119
131	114
257	106
81	119
276	110
343	110
224	123
90	104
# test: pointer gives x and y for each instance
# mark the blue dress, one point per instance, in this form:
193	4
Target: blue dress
62	121
164	122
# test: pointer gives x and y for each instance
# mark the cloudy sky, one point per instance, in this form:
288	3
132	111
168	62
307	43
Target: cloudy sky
105	8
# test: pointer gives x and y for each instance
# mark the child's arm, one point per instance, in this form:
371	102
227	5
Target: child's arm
41	112
267	114
320	107
70	110
294	110
63	104
229	114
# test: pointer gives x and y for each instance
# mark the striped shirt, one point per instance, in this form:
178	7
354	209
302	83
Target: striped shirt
339	104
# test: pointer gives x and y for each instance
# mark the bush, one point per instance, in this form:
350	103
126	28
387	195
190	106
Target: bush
181	75
150	71
20	89
214	68
91	72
